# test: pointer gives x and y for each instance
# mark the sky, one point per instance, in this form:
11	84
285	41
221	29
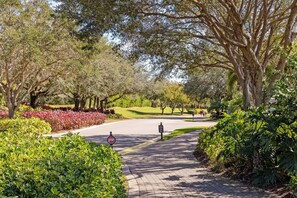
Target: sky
52	3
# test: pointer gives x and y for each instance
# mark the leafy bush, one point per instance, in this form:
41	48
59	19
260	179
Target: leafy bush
65	120
236	103
220	142
25	126
217	109
65	167
260	144
24	108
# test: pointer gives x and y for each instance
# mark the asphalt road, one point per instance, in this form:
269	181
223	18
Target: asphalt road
129	133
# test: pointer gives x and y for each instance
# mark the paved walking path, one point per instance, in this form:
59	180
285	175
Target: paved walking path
168	169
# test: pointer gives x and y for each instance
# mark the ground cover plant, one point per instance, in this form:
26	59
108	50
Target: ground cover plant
259	145
33	166
66	120
22	126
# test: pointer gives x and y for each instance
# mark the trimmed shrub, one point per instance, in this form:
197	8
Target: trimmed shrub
65	167
25	126
65	120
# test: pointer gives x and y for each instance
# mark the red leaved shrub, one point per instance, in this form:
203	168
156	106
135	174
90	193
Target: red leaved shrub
3	114
65	120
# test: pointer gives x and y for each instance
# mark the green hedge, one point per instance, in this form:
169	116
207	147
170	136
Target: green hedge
65	167
25	126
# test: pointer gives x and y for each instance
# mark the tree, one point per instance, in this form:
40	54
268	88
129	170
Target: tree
174	96
101	75
93	17
250	38
154	90
183	100
240	36
208	83
35	45
42	90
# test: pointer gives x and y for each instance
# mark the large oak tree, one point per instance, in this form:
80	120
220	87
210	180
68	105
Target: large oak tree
99	76
35	45
250	38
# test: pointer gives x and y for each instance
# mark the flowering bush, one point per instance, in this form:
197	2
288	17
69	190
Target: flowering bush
65	120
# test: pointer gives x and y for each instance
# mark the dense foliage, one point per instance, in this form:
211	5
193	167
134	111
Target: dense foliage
34	166
260	144
23	126
65	120
36	45
132	101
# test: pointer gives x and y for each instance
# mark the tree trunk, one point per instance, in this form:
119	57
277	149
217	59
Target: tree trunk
11	104
33	99
11	110
95	102
162	109
182	111
102	105
246	92
163	106
105	103
258	94
83	102
76	102
172	110
90	103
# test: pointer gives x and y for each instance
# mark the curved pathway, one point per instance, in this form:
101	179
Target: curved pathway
169	169
133	132
165	169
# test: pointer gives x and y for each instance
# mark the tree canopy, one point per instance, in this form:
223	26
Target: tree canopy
250	38
100	75
35	45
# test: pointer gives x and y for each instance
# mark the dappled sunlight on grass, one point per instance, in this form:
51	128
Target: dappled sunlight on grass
143	112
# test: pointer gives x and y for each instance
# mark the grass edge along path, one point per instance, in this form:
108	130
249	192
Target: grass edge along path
181	131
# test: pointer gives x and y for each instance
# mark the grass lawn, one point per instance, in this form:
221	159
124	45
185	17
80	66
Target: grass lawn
143	112
178	132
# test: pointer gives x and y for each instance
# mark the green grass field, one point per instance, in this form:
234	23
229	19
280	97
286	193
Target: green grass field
143	112
178	132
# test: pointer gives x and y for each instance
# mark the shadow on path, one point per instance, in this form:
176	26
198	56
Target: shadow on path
123	141
168	169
